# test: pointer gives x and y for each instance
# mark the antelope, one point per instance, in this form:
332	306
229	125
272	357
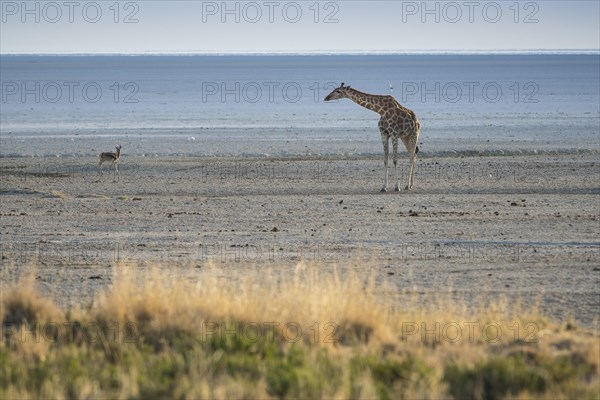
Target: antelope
112	157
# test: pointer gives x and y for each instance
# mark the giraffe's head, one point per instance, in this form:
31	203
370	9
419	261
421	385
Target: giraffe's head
338	93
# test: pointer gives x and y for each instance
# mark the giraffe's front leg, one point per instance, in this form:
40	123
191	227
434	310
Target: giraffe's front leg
386	148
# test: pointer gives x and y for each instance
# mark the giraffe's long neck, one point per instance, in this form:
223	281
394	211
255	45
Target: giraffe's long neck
369	101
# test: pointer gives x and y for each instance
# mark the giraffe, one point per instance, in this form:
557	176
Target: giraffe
397	122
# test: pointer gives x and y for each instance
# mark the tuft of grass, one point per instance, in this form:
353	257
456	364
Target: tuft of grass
392	377
309	334
23	306
518	373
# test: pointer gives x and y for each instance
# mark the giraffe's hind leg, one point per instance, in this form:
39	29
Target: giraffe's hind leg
410	142
395	151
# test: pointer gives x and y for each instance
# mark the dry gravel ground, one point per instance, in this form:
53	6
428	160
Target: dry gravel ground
523	226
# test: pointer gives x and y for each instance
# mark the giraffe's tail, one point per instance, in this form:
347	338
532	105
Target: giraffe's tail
418	130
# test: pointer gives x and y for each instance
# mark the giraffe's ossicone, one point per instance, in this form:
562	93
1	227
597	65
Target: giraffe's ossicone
397	122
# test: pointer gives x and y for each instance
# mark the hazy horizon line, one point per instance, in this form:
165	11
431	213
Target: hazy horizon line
317	52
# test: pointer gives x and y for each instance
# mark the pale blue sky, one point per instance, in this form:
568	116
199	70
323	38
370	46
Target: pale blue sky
296	26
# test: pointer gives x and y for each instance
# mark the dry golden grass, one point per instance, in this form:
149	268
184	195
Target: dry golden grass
311	333
310	296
